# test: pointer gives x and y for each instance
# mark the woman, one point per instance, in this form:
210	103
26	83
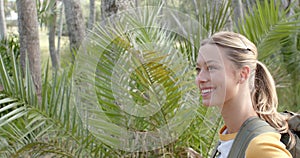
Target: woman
230	77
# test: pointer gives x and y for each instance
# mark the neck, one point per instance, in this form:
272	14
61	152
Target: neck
236	111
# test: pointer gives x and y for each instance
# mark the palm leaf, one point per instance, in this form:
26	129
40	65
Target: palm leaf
50	128
130	83
268	26
90	120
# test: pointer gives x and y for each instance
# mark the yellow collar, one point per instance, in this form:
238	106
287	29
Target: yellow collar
226	137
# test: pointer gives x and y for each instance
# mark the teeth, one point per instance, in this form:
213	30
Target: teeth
207	90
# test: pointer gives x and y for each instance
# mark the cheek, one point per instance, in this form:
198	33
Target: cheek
231	87
218	78
221	83
197	81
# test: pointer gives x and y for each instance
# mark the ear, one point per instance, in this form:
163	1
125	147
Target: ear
244	74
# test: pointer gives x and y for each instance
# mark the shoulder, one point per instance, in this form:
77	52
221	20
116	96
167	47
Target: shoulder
267	145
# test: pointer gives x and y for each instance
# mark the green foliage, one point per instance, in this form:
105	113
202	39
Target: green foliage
158	70
59	127
268	25
9	46
46	9
56	126
50	128
290	89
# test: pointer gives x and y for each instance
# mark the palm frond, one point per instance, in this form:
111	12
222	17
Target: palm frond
268	27
131	93
134	87
52	128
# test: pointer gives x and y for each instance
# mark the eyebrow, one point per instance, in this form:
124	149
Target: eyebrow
209	61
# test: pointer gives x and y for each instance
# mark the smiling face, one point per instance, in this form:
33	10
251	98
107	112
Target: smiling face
216	76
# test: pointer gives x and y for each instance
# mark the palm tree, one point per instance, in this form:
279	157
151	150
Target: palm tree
75	23
92	15
59	126
29	40
2	21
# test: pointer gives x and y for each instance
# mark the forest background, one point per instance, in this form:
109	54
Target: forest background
57	56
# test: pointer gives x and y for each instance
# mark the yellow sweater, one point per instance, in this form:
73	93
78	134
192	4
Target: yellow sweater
266	145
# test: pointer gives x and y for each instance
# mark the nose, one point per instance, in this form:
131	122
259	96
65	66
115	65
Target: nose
202	77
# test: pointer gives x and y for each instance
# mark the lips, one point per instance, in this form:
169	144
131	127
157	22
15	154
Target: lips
205	92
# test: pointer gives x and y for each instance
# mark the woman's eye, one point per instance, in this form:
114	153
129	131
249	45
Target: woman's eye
210	68
198	70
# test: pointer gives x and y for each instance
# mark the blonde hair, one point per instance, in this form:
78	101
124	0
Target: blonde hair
243	52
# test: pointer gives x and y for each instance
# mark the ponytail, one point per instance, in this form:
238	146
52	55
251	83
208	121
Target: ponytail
265	101
264	95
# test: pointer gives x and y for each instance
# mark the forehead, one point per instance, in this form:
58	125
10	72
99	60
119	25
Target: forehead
210	52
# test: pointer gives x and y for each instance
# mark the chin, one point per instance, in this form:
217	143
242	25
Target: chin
207	103
211	104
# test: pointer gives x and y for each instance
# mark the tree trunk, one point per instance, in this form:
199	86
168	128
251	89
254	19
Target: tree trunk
75	24
92	16
2	21
61	10
108	8
52	31
136	4
29	41
237	6
111	7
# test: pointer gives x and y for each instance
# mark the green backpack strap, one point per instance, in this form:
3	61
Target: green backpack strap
251	128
